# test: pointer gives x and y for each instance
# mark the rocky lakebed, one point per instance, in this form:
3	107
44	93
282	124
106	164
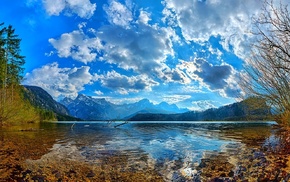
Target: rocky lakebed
29	155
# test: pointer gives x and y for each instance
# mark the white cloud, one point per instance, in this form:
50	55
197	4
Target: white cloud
143	49
54	7
189	89
199	20
221	78
77	45
124	84
214	51
120	101
173	99
98	92
118	14
176	75
59	82
144	17
83	8
202	105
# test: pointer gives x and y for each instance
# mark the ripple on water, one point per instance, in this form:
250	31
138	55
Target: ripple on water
177	151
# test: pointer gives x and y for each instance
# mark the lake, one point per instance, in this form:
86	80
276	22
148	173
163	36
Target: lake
135	151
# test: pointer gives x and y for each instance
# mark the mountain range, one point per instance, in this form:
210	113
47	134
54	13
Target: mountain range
249	109
88	108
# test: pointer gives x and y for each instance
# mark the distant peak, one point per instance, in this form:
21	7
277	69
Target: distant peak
164	103
144	100
82	96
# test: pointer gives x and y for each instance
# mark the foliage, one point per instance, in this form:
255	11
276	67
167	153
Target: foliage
46	115
48	108
17	110
268	67
13	107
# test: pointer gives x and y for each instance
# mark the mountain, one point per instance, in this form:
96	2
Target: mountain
89	108
39	98
249	109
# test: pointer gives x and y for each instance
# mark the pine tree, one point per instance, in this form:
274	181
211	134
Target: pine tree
11	70
14	60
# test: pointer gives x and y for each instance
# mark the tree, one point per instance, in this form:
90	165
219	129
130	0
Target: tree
3	64
11	61
15	61
11	70
267	70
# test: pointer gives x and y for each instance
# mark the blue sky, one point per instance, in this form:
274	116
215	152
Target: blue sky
186	52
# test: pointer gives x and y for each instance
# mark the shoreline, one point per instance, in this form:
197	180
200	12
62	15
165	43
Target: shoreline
254	162
263	163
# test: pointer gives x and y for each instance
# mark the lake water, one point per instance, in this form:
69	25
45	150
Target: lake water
169	150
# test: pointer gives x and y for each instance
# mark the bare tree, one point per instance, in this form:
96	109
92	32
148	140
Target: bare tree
267	70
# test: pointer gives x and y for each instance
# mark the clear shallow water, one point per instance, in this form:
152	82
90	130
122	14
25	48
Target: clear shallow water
161	142
166	147
164	140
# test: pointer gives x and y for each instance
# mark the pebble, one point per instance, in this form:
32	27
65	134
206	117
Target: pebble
38	178
91	174
231	173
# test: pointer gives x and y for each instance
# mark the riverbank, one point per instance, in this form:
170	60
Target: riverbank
32	155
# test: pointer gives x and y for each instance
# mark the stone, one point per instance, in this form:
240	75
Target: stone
231	174
91	174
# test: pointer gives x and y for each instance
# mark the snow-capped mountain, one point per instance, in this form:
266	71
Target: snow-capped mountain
89	108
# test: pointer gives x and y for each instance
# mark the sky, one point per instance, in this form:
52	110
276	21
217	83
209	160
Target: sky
184	52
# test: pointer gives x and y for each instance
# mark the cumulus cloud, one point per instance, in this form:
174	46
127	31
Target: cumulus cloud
77	45
220	78
144	17
124	84
83	8
214	76
176	75
143	49
59	82
199	20
118	14
54	7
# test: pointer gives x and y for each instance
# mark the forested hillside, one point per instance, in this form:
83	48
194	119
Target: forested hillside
13	108
47	107
249	109
18	104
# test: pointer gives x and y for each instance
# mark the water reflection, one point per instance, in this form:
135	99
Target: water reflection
92	148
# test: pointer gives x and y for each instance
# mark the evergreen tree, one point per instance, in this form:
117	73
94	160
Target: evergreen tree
12	106
14	60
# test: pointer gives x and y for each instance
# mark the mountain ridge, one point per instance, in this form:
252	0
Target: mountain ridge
41	99
248	109
89	108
